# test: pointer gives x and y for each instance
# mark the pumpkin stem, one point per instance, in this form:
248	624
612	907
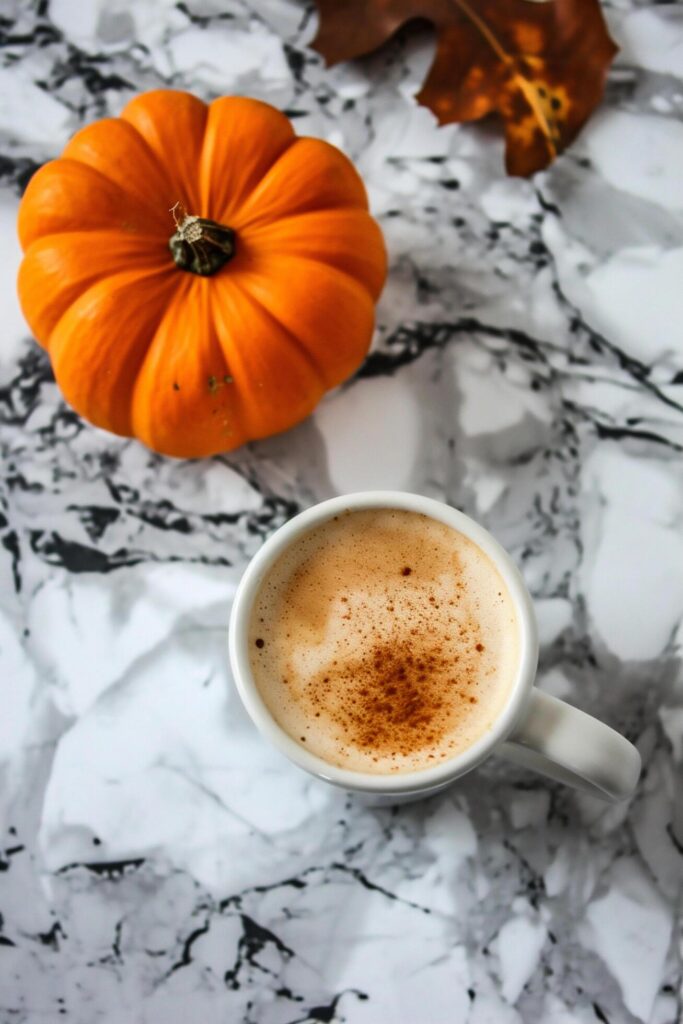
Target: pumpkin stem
199	245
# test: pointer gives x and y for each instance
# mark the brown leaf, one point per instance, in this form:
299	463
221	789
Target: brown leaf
541	66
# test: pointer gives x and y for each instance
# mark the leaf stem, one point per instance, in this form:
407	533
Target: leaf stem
527	87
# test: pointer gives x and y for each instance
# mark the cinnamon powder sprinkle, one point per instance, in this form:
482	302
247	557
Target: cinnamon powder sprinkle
399	697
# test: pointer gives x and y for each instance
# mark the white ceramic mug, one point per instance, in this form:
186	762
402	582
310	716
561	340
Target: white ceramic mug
533	729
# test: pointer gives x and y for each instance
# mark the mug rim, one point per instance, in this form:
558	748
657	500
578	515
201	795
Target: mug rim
402	782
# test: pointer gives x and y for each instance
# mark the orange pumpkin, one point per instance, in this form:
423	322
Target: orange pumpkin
199	275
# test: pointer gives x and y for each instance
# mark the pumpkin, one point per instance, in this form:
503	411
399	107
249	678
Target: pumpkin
199	275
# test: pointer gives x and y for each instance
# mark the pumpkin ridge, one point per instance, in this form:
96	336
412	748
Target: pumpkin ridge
32	204
341	337
274	235
245	374
310	261
149	393
337	181
222	197
156	109
327	380
114	183
114	232
161	171
112	280
117	417
292	339
46	292
180	294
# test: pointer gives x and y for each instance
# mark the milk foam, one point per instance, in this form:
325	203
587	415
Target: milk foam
384	641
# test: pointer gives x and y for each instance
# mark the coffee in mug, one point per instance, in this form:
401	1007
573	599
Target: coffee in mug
384	641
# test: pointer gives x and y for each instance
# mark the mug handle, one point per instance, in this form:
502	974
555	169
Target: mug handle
569	746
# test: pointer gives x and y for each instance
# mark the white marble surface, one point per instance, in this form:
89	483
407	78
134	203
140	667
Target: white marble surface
160	864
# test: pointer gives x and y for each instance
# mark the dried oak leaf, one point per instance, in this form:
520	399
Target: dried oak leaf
541	66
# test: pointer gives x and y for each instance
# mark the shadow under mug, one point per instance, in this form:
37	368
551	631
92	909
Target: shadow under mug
533	729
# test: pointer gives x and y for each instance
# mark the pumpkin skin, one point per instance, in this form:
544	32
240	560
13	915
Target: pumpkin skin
194	365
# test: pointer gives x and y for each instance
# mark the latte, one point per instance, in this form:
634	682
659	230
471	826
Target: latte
384	641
